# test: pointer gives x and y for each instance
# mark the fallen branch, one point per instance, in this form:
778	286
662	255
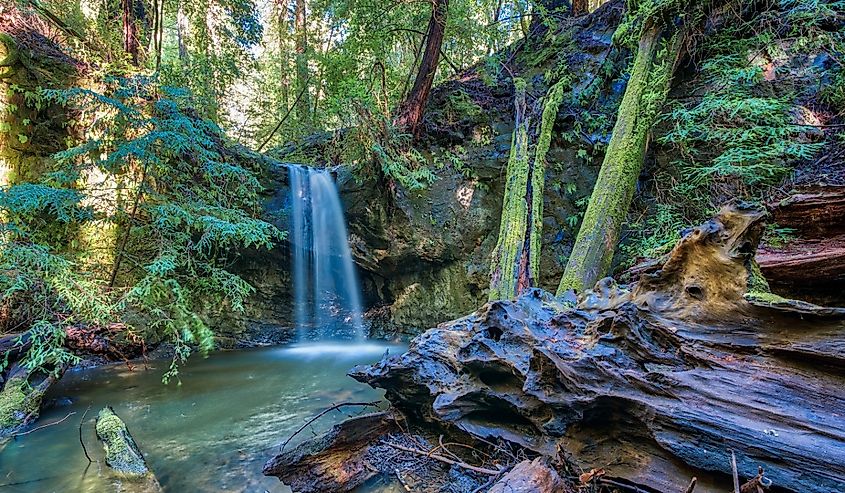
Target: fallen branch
43	426
735	473
81	441
287	114
323	413
461	464
691	486
401	481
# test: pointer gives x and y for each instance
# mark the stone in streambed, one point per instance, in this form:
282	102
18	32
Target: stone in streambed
529	477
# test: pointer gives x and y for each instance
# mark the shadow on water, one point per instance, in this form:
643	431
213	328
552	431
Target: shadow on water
211	433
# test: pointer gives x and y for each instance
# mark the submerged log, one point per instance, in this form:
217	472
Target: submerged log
335	461
655	384
123	455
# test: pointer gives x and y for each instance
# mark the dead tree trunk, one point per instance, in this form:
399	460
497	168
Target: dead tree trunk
516	260
657	383
413	108
647	87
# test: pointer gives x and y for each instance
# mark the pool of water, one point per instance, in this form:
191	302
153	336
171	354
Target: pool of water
212	433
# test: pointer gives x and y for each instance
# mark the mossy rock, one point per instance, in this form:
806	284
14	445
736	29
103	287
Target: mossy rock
122	454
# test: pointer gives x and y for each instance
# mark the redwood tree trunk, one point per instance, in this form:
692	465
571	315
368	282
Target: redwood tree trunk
303	109
132	15
412	110
614	189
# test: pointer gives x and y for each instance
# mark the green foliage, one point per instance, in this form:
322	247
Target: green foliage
741	127
181	205
376	148
748	123
460	106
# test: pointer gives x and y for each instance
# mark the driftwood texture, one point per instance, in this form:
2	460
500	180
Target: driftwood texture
335	461
816	256
656	384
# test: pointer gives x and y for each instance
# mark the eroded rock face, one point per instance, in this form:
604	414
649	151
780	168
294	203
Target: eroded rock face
655	384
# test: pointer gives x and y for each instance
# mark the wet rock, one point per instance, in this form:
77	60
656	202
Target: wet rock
655	383
530	477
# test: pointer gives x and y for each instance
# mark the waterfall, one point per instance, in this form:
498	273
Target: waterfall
327	299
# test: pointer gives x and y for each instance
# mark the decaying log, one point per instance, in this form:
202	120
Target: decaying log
335	461
656	383
815	256
123	456
21	396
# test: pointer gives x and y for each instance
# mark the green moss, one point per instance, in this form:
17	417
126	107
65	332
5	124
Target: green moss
122	453
765	297
507	255
18	400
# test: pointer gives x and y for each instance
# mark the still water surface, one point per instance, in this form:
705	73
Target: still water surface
212	433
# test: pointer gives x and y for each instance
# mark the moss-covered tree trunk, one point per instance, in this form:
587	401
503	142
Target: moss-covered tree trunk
600	230
516	259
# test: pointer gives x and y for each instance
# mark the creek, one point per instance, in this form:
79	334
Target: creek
211	433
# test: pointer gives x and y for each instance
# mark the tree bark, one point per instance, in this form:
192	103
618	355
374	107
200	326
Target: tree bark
181	31
283	26
413	108
303	109
599	233
580	7
516	259
132	15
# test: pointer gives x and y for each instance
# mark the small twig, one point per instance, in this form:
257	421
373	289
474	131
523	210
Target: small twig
623	486
691	486
487	485
287	114
43	426
323	413
401	481
81	441
735	473
461	464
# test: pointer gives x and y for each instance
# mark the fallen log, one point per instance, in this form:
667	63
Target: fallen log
811	263
335	461
123	456
20	399
655	383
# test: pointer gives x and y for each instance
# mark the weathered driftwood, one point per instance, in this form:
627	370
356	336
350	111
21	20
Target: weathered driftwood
335	461
656	384
123	456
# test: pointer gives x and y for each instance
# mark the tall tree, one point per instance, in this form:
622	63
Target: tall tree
133	16
651	75
413	108
300	33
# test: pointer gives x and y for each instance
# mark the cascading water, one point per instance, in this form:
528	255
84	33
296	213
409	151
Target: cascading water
327	301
